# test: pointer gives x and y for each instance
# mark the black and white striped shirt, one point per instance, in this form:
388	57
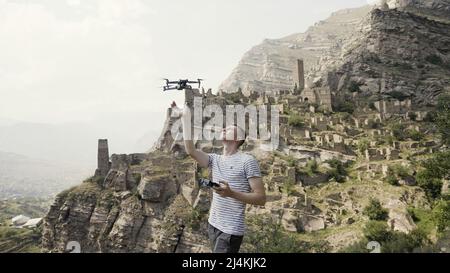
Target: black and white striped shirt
228	214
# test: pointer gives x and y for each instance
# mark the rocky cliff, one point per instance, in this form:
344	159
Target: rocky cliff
390	55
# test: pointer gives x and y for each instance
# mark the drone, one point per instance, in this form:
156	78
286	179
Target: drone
181	84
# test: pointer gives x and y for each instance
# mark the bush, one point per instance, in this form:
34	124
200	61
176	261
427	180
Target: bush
266	235
415	135
443	118
195	218
295	120
311	167
391	177
345	107
412	116
399	131
432	186
439	165
288	187
363	145
441	214
404	243
375	211
390	241
338	171
377	231
430	116
400	170
398	95
435	169
291	161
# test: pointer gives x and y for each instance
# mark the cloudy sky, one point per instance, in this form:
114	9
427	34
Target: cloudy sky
73	60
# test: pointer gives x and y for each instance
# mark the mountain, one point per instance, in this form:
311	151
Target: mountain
390	56
372	166
268	66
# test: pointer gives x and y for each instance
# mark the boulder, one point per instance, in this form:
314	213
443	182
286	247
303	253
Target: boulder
152	189
20	220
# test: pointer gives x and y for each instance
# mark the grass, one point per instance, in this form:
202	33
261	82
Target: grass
19	240
423	218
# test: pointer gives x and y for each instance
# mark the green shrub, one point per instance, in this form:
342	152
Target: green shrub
439	165
266	235
288	187
412	116
363	145
291	161
311	167
443	117
430	116
338	170
377	231
415	135
391	177
441	214
345	107
400	170
295	120
375	211
399	131
390	241
398	95
195	218
404	243
431	186
436	168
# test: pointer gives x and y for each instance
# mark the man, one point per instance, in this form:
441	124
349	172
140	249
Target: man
240	182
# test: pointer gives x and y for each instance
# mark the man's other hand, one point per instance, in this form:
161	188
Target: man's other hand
224	190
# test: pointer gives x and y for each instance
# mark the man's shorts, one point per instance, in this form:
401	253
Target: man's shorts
223	242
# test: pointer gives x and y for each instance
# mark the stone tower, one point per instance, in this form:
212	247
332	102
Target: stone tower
384	5
103	164
299	75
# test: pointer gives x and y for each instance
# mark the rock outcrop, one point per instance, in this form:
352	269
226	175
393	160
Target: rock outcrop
390	56
136	208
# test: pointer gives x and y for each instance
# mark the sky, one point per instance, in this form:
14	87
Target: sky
75	60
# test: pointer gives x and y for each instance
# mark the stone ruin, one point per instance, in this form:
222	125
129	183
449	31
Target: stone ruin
388	108
103	163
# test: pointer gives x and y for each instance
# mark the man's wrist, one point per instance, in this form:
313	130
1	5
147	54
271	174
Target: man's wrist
233	194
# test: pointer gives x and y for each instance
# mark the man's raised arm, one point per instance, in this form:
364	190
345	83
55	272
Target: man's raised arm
201	157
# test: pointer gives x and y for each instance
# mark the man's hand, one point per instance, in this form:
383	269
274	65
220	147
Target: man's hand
257	196
224	190
198	155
